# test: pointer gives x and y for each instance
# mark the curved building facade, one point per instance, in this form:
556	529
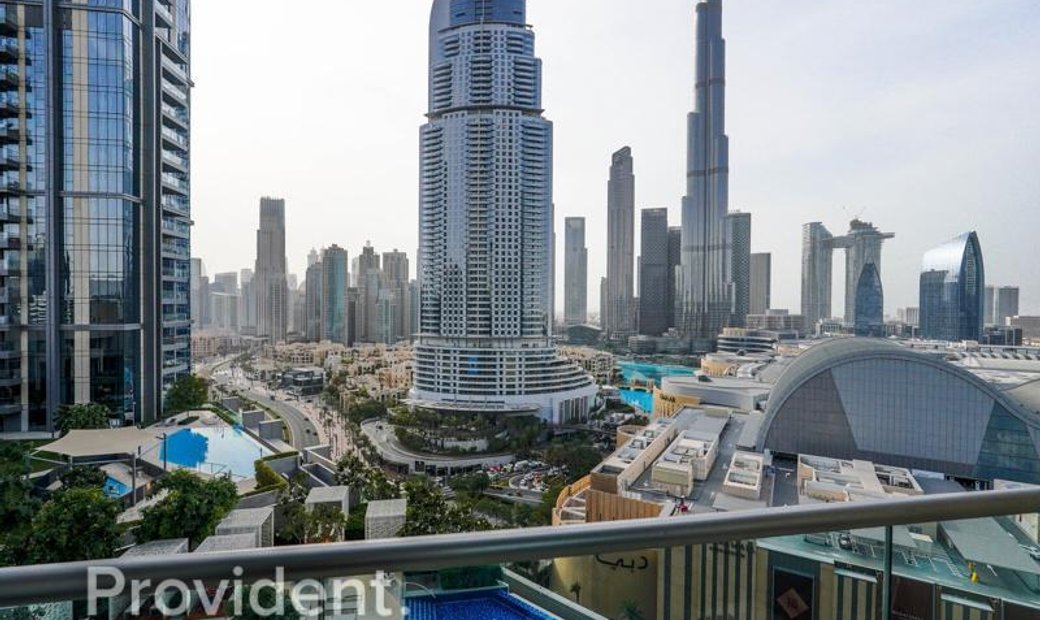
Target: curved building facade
486	222
876	400
953	290
870	303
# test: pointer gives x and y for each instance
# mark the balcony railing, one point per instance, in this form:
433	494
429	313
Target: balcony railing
63	582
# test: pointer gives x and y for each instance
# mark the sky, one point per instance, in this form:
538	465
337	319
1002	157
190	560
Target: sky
922	117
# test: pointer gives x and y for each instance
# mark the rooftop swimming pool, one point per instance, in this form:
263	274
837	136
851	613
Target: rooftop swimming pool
637	372
214	450
115	489
479	605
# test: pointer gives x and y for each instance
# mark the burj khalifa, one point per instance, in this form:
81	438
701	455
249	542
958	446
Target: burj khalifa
706	299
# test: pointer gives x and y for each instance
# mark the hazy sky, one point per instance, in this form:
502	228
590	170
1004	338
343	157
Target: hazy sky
921	116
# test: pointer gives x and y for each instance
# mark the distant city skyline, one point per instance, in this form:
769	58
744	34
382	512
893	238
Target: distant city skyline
866	132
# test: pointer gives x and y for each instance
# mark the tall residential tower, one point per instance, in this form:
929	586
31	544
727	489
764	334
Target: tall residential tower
94	128
486	225
270	281
575	272
621	208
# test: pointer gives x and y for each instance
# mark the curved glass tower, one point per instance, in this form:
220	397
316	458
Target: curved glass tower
870	303
486	223
953	287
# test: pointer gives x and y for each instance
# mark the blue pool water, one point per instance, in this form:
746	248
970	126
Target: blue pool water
214	450
481	605
644	401
634	371
115	489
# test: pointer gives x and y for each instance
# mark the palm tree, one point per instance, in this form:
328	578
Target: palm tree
576	591
630	611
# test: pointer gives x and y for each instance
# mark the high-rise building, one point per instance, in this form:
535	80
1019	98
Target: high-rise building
738	240
621	208
653	272
953	287
761	282
315	284
706	295
674	264
313	257
272	287
486	223
396	273
247	303
94	128
817	261
335	316
575	272
352	311
870	303
224	311
1001	304
368	280
198	272
862	247
413	309
227	282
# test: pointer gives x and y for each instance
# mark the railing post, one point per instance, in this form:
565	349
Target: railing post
886	584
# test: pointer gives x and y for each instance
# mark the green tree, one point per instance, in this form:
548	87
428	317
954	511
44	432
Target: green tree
371	482
78	524
17	503
325	523
578	460
192	508
630	611
187	393
267	597
294	514
83	478
429	512
471	487
82	417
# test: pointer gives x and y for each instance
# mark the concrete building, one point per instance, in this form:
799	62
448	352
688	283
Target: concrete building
761	283
247	304
953	287
778	320
817	261
395	305
674	264
1001	304
314	284
653	273
95	178
706	290
385	518
272	287
620	292
575	272
1030	326
738	232
224	311
486	251
368	278
335	316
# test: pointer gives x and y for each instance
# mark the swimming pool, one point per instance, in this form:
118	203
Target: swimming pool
115	489
634	371
214	450
480	605
644	401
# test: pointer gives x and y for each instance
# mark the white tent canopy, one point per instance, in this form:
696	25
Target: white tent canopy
80	444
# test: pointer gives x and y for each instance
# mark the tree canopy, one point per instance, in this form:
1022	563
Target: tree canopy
85	416
429	512
17	503
192	509
187	393
78	524
83	478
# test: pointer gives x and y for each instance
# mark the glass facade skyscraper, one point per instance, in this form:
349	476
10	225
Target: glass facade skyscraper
334	316
94	256
486	227
953	287
653	273
575	272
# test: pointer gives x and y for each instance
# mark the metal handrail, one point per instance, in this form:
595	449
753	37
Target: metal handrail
62	582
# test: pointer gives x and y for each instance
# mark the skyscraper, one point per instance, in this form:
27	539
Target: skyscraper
335	318
869	317
247	303
486	223
575	272
368	279
195	289
706	303
621	209
653	272
1001	304
817	267
953	287
738	240
674	264
315	284
862	247
761	283
395	298
272	288
94	126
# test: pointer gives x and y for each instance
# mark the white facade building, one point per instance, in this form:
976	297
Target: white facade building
486	227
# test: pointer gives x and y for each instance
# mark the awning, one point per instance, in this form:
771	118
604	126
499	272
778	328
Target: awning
81	444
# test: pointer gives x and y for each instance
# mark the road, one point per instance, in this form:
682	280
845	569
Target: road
304	433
